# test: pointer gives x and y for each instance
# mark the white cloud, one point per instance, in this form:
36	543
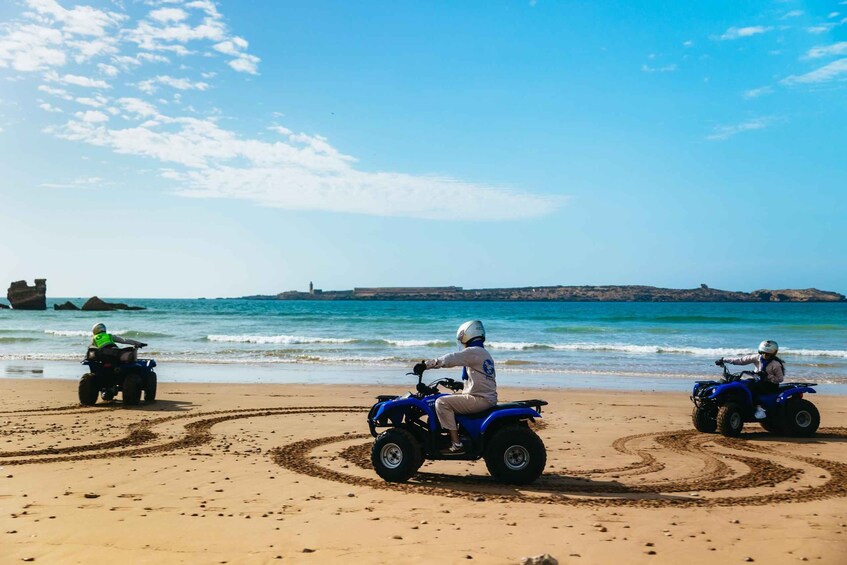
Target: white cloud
81	20
108	70
822	28
243	62
304	172
76	80
739	32
832	71
665	69
95	102
793	14
149	86
756	92
92	116
80	182
31	48
58	92
169	15
721	133
50	108
688	43
296	171
138	108
839	48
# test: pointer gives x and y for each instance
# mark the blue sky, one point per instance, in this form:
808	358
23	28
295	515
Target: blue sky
197	148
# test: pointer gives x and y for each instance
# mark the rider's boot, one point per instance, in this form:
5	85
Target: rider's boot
454	449
760	413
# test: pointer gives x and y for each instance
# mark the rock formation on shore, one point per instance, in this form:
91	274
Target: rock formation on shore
94	304
66	306
630	293
21	296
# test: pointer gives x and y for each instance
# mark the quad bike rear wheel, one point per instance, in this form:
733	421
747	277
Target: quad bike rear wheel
730	420
88	390
704	419
515	455
150	389
396	455
132	390
801	417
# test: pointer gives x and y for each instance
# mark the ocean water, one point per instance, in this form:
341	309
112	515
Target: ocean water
537	342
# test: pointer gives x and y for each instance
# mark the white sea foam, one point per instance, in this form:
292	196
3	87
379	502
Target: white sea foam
416	342
275	339
655	349
77	333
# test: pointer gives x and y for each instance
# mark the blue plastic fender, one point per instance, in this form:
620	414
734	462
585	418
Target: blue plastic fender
390	406
508	413
783	396
720	390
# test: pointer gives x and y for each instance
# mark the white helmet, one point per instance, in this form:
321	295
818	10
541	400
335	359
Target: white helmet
470	330
98	328
768	346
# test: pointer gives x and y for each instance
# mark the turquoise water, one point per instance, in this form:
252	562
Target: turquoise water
642	340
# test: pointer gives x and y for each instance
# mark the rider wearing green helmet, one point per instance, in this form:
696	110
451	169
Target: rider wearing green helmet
103	340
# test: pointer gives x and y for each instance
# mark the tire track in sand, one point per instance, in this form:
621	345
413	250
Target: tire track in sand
578	487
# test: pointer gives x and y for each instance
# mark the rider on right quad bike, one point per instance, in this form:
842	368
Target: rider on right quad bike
769	368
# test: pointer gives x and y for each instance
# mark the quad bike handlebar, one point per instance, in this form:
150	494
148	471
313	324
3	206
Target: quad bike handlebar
732	377
432	388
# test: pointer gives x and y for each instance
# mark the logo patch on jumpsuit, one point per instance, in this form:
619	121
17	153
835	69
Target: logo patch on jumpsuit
488	368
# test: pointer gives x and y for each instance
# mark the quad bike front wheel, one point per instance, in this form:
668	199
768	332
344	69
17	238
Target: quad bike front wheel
704	419
150	389
515	455
396	455
730	420
88	390
801	417
132	390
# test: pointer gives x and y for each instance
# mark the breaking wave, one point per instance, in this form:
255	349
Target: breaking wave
275	339
654	349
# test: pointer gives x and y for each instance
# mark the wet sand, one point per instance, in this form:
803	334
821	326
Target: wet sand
266	473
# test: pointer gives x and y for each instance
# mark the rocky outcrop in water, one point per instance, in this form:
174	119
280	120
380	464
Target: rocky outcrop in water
24	297
94	304
66	306
3	306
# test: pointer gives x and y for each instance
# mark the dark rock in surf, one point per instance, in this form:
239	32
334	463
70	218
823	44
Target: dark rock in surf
24	297
66	306
94	304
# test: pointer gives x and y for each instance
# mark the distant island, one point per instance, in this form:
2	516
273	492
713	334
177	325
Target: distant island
626	293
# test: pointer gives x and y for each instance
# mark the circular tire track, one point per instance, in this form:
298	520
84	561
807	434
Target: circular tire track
577	487
562	488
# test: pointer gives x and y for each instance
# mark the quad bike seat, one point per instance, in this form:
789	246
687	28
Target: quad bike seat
787	386
112	354
537	404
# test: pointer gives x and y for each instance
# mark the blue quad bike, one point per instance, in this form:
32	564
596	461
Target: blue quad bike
724	406
513	453
114	371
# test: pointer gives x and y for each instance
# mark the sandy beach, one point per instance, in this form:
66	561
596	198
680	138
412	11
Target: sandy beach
215	473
